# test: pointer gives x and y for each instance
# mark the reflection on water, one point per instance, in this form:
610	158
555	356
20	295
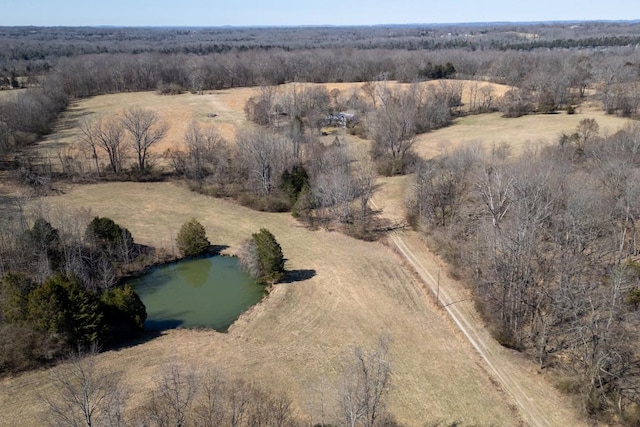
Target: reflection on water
205	292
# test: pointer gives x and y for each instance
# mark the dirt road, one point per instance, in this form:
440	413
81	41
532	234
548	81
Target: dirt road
538	402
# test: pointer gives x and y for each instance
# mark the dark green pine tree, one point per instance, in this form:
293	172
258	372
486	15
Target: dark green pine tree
63	306
270	257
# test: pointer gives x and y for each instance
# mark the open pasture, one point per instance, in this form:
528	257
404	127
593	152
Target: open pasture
349	293
493	130
345	292
224	110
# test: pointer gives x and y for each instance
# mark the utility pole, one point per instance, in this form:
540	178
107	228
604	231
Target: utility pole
438	290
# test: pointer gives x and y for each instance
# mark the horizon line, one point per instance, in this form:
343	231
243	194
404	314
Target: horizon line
275	26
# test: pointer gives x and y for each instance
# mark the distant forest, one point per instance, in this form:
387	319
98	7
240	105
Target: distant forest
34	51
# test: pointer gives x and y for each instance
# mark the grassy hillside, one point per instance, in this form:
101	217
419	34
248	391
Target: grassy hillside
297	340
299	337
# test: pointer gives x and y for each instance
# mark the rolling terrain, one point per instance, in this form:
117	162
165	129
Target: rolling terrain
445	365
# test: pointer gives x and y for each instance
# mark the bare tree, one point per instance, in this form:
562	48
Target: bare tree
265	410
264	156
210	404
587	129
486	100
88	136
106	134
495	187
85	396
365	176
206	156
392	127
333	183
238	399
173	396
259	108
441	187
110	135
366	383
145	130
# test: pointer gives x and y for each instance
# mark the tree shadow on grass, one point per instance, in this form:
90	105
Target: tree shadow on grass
293	276
216	249
152	330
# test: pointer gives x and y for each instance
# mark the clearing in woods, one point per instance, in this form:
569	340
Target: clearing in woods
492	130
297	339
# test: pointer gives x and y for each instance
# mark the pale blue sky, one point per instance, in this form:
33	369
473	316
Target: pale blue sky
304	12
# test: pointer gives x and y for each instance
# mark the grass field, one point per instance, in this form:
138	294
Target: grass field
222	109
298	338
490	130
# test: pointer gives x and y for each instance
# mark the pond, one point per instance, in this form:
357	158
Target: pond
207	292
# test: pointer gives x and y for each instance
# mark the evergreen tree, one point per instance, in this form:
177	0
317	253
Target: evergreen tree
63	306
192	239
124	312
43	241
270	258
293	182
109	237
14	297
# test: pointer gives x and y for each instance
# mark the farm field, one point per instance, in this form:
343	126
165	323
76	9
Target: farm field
489	130
222	109
225	111
298	338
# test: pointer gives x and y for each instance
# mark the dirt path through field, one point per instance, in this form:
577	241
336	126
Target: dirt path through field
538	402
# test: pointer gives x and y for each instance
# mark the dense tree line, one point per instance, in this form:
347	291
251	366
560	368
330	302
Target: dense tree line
549	240
40	46
26	116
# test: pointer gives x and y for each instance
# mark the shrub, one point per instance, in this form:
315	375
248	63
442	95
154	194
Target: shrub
170	89
274	202
192	239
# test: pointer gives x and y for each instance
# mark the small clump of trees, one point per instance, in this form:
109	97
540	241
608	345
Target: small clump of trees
134	130
58	291
87	393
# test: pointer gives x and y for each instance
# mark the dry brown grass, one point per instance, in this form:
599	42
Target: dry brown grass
492	129
176	110
9	93
179	110
297	339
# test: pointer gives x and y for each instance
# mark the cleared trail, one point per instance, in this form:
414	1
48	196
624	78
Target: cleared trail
538	402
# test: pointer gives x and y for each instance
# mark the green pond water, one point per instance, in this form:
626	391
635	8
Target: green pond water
204	292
